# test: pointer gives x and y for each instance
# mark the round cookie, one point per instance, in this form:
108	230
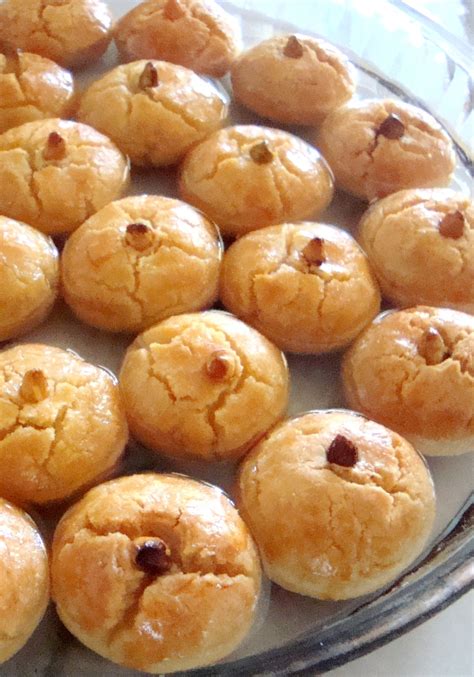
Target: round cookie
70	32
248	177
214	386
413	370
307	286
293	79
193	33
376	147
339	506
153	110
141	259
33	88
156	572
421	247
62	424
54	174
24	579
29	277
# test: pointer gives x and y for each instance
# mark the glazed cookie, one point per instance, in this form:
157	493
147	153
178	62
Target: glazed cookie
306	286
193	33
33	88
339	506
29	277
413	370
213	384
70	32
154	111
141	259
293	79
156	572
62	425
248	177
54	174
24	579
376	147
421	247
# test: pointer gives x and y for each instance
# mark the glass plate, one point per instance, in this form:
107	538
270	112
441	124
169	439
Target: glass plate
397	53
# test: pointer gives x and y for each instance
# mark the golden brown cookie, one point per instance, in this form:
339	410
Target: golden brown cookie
70	32
378	146
413	370
24	579
29	277
248	177
54	174
33	88
156	572
62	424
293	79
339	505
213	386
141	259
421	247
307	286
197	34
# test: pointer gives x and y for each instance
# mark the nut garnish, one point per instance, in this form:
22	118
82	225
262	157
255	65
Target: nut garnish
261	153
173	10
139	236
432	346
220	366
34	387
293	48
313	252
392	127
153	557
55	147
452	225
343	452
12	55
149	77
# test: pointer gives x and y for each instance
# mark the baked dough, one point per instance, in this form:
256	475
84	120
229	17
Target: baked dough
307	287
378	146
339	506
54	174
293	79
141	259
24	579
62	424
29	277
248	177
70	32
153	110
156	572
193	33
33	88
213	386
413	370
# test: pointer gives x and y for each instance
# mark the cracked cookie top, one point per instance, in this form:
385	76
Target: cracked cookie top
156	572
54	174
247	177
70	32
293	79
421	247
378	146
338	505
153	110
193	33
62	424
24	579
413	370
141	259
213	385
29	277
307	286
33	88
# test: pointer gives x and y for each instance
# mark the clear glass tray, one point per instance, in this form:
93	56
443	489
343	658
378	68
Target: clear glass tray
396	54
